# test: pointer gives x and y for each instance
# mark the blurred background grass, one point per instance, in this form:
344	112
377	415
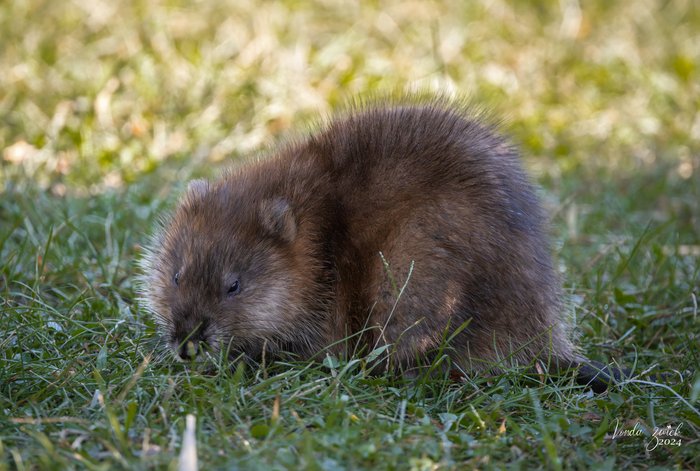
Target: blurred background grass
94	94
108	107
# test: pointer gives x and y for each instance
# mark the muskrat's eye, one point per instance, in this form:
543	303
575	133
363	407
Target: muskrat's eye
176	279
234	288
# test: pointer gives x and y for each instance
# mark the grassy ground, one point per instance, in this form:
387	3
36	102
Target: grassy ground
107	108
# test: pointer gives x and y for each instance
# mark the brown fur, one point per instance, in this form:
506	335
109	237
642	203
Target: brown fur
424	184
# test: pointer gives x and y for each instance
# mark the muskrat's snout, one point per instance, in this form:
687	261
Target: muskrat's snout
189	341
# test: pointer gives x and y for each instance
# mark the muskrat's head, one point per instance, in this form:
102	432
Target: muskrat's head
223	273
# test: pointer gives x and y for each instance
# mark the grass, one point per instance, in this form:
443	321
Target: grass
109	107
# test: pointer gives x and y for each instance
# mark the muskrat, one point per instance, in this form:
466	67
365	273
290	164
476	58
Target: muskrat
404	225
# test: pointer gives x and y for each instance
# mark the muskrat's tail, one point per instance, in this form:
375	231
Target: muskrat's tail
598	376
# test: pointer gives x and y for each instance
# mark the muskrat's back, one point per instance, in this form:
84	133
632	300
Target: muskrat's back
311	246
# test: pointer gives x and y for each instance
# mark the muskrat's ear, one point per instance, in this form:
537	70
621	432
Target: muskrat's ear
278	219
197	188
